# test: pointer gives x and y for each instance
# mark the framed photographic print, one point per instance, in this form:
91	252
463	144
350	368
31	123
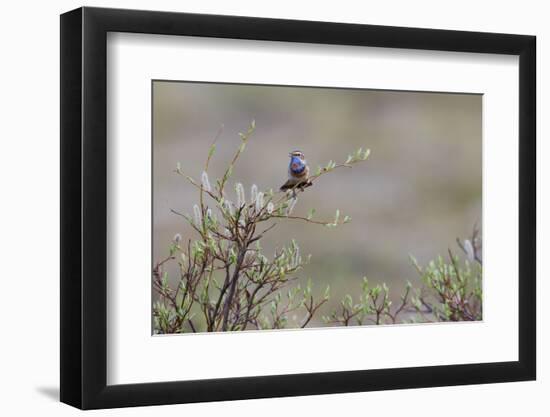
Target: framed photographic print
257	208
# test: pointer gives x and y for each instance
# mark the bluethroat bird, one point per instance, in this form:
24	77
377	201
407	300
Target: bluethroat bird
298	172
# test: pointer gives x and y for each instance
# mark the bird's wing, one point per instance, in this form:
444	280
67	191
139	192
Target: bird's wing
288	185
292	183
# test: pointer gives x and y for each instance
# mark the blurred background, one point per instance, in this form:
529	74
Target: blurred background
420	188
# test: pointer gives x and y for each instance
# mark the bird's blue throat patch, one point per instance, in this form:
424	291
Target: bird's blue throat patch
297	166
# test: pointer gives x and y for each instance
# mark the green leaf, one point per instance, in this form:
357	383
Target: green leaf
211	150
348	301
326	296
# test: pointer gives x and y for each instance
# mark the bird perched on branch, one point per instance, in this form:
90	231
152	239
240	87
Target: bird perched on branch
298	172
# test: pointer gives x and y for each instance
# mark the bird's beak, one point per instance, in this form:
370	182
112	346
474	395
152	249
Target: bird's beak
289	154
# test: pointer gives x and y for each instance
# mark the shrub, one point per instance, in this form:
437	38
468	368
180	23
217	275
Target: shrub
227	283
452	289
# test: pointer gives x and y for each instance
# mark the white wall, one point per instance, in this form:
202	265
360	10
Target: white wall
29	238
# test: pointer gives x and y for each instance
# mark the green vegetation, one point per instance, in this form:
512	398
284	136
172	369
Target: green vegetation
227	283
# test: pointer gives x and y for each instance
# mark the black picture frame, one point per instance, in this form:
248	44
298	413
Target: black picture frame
84	207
